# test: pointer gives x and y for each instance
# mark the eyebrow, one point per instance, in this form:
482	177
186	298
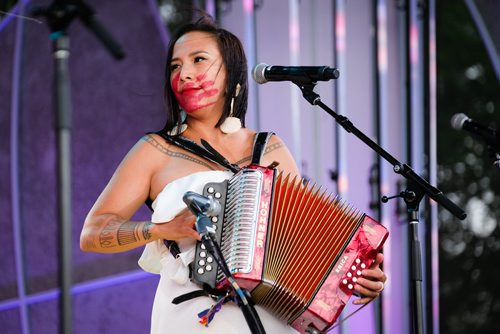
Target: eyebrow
191	54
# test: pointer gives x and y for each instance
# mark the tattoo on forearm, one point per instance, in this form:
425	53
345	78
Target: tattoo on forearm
145	230
107	237
120	234
173	154
127	233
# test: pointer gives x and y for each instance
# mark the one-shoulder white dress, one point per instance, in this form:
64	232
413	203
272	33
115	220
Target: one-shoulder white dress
174	274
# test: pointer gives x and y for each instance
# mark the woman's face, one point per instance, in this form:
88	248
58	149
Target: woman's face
198	75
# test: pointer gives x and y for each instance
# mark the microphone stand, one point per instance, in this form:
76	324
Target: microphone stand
204	227
59	16
417	187
494	155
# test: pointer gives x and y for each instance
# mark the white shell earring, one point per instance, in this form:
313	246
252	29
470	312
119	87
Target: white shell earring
232	124
175	130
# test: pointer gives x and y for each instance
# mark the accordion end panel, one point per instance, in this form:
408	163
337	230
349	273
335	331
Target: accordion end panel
337	289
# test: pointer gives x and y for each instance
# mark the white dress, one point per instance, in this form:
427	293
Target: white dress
174	281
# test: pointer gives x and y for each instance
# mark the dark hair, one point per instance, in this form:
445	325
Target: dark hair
234	60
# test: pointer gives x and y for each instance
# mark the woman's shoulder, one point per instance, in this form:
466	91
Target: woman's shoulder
149	150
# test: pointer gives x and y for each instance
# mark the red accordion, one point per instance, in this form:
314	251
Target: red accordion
296	249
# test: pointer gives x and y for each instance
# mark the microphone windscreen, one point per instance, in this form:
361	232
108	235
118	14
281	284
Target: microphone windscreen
458	120
258	73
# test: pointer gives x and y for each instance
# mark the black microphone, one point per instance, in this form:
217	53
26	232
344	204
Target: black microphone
200	204
489	135
263	73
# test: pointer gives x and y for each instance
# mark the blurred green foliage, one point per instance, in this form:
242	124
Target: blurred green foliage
469	249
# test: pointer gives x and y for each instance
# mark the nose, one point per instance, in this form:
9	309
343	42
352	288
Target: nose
186	73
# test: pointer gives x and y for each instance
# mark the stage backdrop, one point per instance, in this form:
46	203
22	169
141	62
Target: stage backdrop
116	102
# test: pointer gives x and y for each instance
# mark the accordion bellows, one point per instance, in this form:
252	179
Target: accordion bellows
297	249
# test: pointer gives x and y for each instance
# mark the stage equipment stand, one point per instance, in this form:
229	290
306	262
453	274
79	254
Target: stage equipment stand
60	15
417	187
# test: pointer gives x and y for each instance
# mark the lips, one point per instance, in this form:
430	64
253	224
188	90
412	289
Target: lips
189	89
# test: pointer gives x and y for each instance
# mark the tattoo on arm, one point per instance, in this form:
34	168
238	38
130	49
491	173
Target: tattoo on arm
163	149
273	147
120	234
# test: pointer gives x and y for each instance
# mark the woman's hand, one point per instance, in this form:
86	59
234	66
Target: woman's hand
180	227
372	282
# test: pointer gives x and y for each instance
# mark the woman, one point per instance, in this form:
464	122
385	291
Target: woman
207	78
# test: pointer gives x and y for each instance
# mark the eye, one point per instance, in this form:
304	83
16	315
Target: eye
173	67
198	59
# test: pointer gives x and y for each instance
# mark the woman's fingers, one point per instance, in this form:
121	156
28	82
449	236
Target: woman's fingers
371	284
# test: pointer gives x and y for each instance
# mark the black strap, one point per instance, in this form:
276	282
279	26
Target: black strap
259	145
206	292
207	152
188	296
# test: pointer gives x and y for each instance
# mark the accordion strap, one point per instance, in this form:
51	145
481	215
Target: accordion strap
207	151
206	292
259	145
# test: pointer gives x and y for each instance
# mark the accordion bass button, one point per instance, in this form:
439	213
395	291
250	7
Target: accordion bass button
201	262
208	267
201	271
350	286
203	254
210	190
217	195
363	266
203	246
209	259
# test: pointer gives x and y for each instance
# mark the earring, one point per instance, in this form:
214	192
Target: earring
232	124
175	130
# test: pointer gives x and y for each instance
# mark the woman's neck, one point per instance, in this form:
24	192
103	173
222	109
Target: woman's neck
202	129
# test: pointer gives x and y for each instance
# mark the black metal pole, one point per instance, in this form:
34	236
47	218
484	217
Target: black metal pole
60	14
63	129
376	177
